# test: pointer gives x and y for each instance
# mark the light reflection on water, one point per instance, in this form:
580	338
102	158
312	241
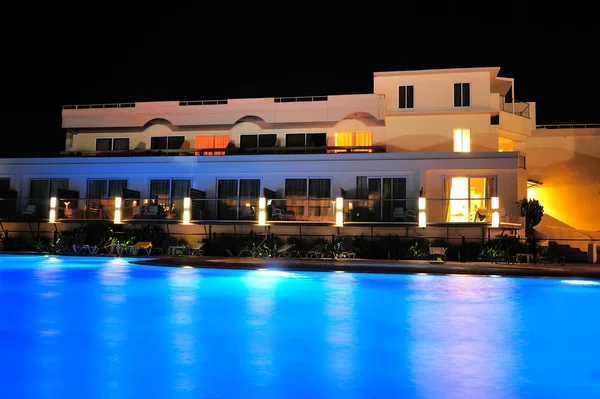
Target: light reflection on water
341	326
463	334
113	329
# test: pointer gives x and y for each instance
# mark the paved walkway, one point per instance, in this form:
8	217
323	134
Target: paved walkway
583	270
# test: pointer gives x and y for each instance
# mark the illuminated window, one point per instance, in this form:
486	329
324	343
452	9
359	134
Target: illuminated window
406	97
208	142
505	145
468	199
462	140
354	139
462	94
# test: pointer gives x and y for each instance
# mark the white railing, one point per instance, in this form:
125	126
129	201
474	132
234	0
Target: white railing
94	106
569	126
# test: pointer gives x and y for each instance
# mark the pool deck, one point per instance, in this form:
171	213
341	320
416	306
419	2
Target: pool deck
573	270
581	270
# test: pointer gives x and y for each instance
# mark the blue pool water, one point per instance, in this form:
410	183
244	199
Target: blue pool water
94	327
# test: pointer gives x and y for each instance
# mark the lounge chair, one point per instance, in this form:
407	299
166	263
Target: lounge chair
437	255
286	251
167	243
346	249
78	244
318	251
106	246
135	248
196	248
63	244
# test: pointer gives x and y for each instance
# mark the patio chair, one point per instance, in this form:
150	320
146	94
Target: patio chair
29	211
346	249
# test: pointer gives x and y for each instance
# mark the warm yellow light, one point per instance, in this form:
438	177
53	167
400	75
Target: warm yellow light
339	203
262	203
186	217
531	193
339	219
117	216
462	140
350	205
187	203
247	205
495	202
52	202
117	202
52	218
262	217
422	219
422	202
495	219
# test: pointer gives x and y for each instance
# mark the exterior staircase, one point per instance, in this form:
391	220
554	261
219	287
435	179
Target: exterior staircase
571	254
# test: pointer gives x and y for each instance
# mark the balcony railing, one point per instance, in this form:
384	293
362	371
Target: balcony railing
515	107
569	126
321	210
96	106
230	151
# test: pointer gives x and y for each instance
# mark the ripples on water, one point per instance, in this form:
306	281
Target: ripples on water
97	327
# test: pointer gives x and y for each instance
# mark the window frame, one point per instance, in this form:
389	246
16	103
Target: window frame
168	139
461	102
224	203
463	143
257	135
112	143
409	101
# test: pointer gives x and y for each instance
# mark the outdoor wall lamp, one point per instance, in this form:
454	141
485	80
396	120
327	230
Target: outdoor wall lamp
495	212
262	212
187	202
422	214
339	212
118	203
52	216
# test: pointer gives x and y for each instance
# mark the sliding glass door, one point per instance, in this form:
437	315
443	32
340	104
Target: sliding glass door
468	199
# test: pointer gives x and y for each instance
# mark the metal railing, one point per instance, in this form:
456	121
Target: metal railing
323	210
94	106
299	99
515	107
230	151
203	102
569	126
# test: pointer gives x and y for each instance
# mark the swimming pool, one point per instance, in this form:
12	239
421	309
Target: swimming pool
96	327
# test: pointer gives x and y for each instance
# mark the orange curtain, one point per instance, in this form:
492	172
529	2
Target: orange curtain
343	139
203	142
221	142
363	139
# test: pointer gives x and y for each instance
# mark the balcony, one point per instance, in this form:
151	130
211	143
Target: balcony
368	211
515	107
227	151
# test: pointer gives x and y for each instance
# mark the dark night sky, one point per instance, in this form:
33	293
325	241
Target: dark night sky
124	60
